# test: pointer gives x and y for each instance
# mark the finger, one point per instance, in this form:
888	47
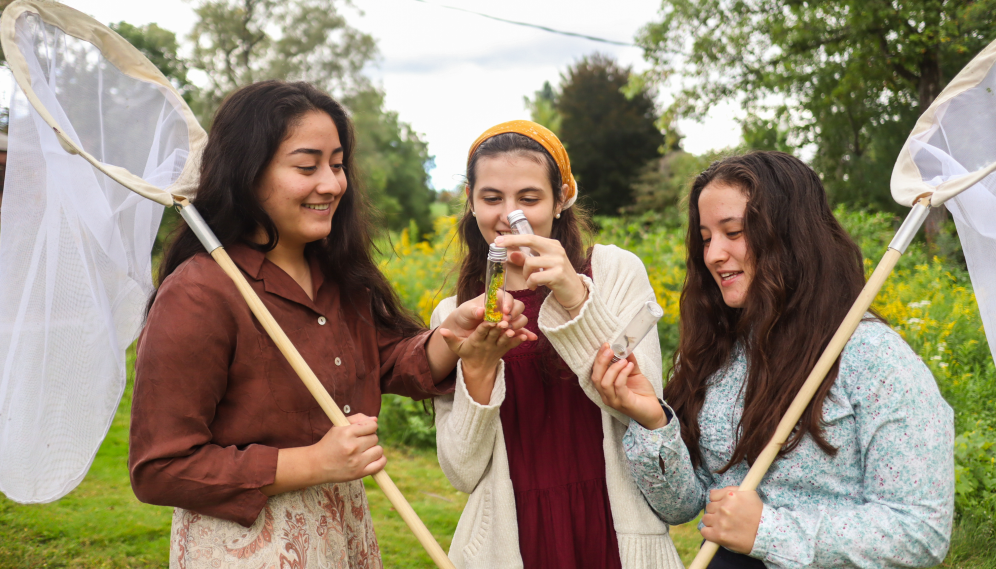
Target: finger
601	365
518	307
366	442
712	508
358	418
709	520
622	377
516	258
721	494
531	241
452	342
374	467
362	429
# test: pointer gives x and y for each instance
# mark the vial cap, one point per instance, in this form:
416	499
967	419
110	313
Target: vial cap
516	216
496	253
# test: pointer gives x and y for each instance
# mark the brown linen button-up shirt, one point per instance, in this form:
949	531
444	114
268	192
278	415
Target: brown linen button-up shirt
214	399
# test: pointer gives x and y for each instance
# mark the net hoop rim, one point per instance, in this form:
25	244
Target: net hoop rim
129	61
907	183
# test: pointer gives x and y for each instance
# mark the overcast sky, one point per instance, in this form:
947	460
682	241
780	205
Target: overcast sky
452	74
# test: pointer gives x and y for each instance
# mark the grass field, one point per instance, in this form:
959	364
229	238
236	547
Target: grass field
101	524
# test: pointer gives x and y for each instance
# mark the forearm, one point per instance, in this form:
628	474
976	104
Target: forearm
664	473
441	358
480	381
296	469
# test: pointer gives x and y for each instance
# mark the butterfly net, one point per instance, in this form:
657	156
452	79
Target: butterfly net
951	155
75	245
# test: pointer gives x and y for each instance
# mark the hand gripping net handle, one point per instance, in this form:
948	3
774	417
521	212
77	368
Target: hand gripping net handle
303	370
823	365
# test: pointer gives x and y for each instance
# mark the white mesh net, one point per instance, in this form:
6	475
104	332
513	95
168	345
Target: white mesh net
951	155
75	267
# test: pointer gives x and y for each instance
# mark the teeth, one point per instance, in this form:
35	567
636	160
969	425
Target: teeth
319	207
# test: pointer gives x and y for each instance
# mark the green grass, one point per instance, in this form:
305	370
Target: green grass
101	524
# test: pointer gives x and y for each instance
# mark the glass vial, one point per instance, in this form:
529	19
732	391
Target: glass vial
636	330
520	226
495	283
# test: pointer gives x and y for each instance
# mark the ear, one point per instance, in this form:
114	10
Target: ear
563	191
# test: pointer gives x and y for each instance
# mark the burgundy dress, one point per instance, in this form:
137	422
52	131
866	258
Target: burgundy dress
553	436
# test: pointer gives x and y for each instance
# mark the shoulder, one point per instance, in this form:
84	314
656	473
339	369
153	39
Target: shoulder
613	267
877	360
442	310
608	257
199	279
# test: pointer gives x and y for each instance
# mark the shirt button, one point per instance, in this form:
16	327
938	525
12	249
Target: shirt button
345	409
338	362
322	321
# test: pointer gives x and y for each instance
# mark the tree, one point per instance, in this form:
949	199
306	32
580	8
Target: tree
160	46
237	42
543	108
235	45
610	136
855	74
392	161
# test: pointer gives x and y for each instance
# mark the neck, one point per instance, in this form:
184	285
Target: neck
291	259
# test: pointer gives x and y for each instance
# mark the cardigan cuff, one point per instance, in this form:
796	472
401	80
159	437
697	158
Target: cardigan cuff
578	340
470	418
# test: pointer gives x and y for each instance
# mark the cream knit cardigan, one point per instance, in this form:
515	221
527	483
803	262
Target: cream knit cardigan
471	446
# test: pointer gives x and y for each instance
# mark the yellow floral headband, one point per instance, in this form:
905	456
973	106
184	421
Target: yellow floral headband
547	140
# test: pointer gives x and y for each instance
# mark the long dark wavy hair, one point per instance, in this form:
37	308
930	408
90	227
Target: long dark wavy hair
572	229
248	129
807	273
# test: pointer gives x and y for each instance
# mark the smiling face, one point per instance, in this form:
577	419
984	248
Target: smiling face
509	182
301	186
721	224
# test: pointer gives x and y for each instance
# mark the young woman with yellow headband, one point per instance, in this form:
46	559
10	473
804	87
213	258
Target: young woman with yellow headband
525	432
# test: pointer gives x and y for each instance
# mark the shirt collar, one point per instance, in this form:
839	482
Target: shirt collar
275	281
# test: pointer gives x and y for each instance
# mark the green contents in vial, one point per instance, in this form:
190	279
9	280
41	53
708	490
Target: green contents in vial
492	309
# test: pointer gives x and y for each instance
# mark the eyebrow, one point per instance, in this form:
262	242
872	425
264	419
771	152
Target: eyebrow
523	190
312	151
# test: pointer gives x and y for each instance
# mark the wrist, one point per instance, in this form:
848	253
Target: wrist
657	419
479	372
573	301
652	423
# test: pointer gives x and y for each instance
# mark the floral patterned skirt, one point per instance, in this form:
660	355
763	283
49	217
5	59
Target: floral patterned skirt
320	527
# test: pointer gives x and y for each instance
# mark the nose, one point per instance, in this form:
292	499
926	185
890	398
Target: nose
716	253
330	182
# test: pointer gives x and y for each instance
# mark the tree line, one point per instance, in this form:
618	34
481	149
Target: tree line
237	42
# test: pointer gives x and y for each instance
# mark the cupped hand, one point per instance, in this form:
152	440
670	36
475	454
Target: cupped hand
349	453
732	517
624	388
479	356
551	268
464	321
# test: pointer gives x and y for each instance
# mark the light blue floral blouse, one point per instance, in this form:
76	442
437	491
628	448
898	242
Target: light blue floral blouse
885	500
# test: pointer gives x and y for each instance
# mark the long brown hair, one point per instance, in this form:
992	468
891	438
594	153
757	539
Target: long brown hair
247	131
807	273
571	229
